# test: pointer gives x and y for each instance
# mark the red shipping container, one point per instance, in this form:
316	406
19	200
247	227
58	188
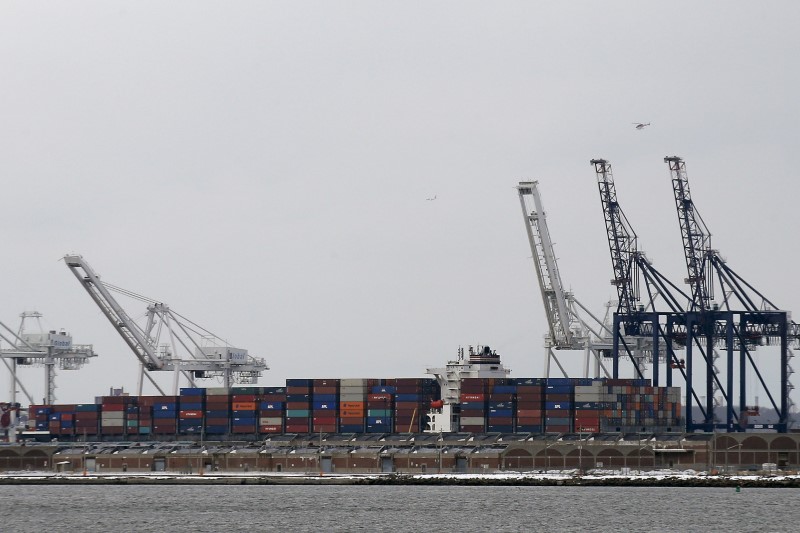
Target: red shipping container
298	406
242	429
472	397
113	407
196	398
352	421
325	428
296	428
473	429
500	421
298	390
352	405
325	420
380	397
501	397
325	390
270	429
190	414
529	413
352	413
243	398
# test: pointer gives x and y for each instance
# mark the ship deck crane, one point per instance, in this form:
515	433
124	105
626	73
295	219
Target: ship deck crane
567	328
744	319
191	350
634	326
47	349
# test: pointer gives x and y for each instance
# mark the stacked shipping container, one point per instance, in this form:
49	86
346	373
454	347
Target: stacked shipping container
529	405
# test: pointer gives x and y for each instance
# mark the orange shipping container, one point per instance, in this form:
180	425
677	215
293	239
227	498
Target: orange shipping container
351	413
244	406
351	405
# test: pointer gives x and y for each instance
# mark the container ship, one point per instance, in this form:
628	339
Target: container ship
473	394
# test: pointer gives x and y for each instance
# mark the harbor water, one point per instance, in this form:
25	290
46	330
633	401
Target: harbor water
207	508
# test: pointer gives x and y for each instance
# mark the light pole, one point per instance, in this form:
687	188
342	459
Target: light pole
739	445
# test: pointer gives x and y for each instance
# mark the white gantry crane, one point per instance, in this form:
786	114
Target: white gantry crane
568	330
48	349
191	350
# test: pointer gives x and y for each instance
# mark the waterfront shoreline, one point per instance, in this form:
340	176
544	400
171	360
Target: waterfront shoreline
643	480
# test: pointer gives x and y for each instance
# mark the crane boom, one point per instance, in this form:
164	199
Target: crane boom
125	326
559	319
622	240
696	238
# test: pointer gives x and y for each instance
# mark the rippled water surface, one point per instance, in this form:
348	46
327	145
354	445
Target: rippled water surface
396	508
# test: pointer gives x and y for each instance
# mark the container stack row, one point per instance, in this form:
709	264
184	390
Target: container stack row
507	405
566	405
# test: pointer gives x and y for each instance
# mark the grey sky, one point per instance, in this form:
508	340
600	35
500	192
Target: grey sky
263	167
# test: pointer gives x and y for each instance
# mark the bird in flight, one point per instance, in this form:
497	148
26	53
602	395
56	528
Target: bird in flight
431	199
640	125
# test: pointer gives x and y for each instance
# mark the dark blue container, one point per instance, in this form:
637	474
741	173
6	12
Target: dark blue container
243	414
472	405
298	398
407	397
559	389
165	414
270	406
560	382
504	389
191	406
380	389
500	429
529	428
328	398
501	413
243	421
193	391
55	417
216	430
42	426
558	405
325	406
217	414
383	421
501	405
167	406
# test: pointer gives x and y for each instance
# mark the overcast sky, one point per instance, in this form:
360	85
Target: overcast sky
263	167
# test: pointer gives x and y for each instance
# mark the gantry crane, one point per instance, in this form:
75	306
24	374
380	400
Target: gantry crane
192	350
743	319
633	326
567	329
49	349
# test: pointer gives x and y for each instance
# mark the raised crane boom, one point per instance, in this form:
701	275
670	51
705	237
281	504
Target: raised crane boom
133	336
564	327
622	240
567	329
696	238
